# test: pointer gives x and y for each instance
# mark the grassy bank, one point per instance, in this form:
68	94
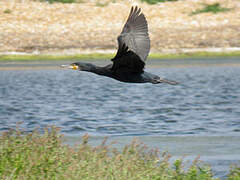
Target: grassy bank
55	57
109	56
44	156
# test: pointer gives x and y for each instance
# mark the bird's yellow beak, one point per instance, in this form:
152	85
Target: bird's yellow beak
74	67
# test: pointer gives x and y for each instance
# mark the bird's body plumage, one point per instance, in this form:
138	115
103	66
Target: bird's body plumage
123	74
133	49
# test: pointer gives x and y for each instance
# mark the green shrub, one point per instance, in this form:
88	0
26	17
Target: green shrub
213	8
234	173
44	156
7	11
62	1
99	4
155	1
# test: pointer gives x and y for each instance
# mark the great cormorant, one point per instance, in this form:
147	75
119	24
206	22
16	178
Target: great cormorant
133	48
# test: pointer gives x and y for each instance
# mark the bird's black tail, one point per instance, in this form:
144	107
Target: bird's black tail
161	80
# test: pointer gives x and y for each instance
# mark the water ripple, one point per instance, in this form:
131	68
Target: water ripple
205	103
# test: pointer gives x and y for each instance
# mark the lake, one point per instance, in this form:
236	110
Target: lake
200	116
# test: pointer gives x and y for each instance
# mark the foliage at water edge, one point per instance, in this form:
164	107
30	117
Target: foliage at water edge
44	156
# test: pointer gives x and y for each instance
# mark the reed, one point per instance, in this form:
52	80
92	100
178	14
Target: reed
44	156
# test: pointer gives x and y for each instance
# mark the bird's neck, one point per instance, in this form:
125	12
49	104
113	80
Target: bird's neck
104	71
99	70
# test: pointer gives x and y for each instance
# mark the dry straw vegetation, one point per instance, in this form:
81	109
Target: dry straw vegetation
37	26
44	156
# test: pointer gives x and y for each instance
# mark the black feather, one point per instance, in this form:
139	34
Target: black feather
127	59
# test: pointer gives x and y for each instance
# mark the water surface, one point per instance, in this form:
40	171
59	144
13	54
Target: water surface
205	105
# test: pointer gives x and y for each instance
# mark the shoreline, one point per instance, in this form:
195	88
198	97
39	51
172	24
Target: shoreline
98	55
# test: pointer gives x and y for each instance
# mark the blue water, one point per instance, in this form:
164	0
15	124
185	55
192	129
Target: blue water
205	104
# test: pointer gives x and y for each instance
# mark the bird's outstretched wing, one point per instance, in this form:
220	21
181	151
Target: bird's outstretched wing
133	40
135	34
127	60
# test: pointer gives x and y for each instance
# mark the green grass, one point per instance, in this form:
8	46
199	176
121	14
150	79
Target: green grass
212	8
44	156
61	1
194	55
155	1
31	57
7	11
95	56
100	4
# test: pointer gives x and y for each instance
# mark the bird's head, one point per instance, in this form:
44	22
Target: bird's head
79	66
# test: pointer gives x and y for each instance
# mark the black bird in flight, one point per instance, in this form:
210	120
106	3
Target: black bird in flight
133	48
